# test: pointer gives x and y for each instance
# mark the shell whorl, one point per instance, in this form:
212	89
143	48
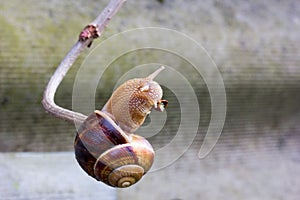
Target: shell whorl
110	156
131	102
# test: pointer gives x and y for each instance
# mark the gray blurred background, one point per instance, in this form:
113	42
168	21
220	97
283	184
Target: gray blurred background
255	45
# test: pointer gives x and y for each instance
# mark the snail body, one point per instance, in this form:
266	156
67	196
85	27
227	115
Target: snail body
105	146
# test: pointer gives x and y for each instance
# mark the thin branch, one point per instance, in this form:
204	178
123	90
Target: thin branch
86	38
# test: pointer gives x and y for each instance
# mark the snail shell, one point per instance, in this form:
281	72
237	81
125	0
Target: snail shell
105	147
109	155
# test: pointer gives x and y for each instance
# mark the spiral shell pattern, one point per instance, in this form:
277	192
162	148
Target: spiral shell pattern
110	156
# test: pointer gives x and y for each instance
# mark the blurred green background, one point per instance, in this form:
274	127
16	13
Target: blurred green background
255	45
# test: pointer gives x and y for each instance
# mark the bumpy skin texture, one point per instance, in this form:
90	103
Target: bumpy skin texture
132	102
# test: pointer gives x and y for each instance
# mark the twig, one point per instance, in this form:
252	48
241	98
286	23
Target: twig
86	37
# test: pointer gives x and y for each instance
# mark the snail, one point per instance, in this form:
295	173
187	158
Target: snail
106	147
